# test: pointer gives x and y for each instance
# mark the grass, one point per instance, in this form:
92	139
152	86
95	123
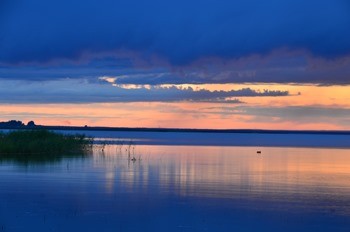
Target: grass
23	144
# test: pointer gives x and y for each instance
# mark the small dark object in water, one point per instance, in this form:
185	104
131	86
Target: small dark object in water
259	152
133	159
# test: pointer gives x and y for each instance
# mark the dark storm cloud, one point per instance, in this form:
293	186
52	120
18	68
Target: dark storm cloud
186	41
280	67
179	31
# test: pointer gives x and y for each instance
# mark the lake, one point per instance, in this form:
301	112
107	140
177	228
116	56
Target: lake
179	188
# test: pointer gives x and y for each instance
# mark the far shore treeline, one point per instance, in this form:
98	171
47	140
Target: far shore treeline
14	124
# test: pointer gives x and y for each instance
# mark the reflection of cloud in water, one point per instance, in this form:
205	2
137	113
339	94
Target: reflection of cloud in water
290	175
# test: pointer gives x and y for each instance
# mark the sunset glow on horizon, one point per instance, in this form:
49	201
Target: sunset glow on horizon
306	107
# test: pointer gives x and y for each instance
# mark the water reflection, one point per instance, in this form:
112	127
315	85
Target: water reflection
293	175
30	159
180	188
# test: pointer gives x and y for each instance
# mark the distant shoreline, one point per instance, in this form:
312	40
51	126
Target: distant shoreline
182	130
205	137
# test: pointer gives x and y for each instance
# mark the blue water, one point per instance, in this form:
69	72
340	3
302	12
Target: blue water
222	139
179	188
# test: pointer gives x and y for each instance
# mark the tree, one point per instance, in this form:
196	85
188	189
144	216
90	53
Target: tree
31	124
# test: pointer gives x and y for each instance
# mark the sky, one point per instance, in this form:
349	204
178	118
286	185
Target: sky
176	64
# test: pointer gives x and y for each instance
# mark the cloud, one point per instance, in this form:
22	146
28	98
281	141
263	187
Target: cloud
160	42
282	66
181	32
295	114
85	91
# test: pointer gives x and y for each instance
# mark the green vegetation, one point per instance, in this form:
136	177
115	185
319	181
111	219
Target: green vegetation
37	144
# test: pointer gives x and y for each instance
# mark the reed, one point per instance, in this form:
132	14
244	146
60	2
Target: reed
36	142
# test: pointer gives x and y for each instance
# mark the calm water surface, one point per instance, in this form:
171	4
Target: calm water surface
179	188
